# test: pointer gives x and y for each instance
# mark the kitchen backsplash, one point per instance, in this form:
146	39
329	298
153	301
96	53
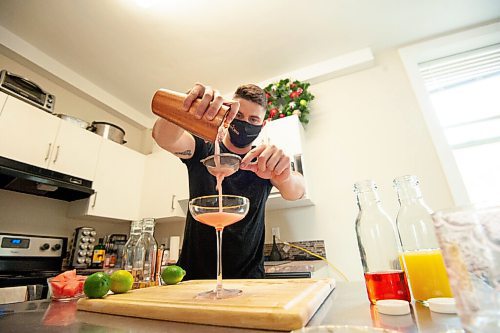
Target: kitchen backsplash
315	246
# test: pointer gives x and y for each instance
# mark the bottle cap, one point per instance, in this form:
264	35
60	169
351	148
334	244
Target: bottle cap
442	305
394	307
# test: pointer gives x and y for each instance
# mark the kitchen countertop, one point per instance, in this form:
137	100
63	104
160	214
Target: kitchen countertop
346	305
293	266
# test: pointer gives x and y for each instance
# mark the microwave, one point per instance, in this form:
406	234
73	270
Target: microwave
26	91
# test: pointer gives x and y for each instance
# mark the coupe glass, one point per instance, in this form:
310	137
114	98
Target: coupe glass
219	212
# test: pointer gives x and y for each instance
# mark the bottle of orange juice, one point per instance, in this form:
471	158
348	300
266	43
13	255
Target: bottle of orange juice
421	257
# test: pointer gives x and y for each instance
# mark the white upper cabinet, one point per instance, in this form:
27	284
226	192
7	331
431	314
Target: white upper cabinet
35	137
165	183
287	134
27	134
75	151
118	185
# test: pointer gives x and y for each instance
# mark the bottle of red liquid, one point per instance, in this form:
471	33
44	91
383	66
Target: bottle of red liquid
378	247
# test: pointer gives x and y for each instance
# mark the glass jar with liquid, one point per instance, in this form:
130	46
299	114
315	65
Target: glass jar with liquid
145	255
151	248
421	255
129	247
378	247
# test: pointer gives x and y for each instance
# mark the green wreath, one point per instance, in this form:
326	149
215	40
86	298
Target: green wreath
286	98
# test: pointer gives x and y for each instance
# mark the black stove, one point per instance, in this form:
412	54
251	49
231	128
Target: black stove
13	280
27	260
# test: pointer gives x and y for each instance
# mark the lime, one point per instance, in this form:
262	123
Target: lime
96	285
121	281
172	274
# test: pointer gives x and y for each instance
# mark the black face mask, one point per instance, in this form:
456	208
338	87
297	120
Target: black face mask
242	134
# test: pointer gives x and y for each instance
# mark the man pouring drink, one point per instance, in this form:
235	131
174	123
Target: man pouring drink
261	168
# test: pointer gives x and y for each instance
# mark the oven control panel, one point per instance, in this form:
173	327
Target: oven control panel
81	247
12	245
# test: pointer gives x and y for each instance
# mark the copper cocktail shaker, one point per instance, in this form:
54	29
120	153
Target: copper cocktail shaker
168	104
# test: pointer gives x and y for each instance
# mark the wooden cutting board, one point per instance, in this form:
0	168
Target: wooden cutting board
274	304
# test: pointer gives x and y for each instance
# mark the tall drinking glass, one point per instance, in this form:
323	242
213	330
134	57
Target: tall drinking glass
470	241
219	211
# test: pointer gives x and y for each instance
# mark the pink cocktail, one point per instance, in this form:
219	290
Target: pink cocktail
219	220
219	211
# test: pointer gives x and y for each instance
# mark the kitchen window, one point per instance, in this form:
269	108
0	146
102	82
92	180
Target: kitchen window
457	83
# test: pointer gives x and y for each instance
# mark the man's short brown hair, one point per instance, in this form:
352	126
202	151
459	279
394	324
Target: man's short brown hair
252	93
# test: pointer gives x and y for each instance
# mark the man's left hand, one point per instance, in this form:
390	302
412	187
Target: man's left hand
270	163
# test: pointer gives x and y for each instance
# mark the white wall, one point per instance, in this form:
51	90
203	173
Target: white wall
29	214
363	125
164	230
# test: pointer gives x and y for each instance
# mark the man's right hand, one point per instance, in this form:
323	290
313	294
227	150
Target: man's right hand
180	142
211	102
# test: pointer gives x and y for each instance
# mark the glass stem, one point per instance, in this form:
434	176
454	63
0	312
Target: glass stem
218	288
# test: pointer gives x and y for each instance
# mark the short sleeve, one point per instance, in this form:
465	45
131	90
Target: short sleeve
202	149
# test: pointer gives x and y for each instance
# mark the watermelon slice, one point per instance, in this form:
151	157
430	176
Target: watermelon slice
68	275
71	288
81	282
57	288
67	285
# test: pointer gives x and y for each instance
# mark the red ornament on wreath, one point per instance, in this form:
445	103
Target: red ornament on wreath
273	112
294	94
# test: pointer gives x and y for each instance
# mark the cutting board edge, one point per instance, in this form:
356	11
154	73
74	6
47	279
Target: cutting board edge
284	320
313	300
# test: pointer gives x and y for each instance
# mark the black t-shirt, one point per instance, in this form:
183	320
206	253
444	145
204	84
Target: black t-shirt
242	242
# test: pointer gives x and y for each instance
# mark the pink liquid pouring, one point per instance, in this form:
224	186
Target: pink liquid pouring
218	172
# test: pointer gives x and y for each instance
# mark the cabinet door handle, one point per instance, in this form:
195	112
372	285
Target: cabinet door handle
95	199
48	152
173	199
57	154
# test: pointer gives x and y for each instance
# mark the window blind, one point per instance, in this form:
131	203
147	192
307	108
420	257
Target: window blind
460	68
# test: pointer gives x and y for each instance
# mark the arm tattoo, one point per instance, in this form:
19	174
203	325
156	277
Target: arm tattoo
183	153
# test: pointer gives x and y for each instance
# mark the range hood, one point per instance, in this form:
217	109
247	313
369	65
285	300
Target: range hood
21	177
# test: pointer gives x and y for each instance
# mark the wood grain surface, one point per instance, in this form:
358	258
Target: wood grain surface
281	304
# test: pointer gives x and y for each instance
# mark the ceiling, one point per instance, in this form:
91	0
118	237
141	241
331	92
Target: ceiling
130	48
